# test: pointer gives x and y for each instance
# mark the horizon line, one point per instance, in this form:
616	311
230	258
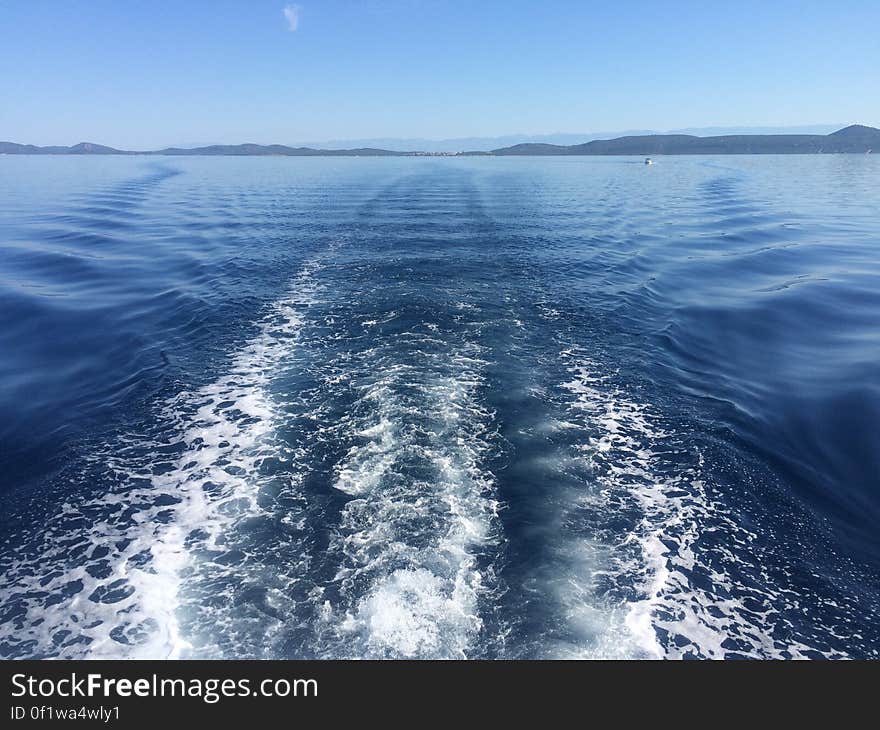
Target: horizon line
94	148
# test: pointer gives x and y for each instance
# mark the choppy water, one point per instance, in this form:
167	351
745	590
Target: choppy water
440	408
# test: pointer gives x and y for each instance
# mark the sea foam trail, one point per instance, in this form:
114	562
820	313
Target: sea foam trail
623	453
107	577
687	577
421	509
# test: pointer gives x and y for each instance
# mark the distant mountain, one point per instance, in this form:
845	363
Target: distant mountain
88	148
458	144
486	144
250	149
855	138
83	148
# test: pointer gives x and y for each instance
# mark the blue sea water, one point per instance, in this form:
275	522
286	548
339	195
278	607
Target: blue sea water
440	408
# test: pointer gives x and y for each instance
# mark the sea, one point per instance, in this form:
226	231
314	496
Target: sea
440	408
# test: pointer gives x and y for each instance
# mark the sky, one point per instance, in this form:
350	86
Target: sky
148	74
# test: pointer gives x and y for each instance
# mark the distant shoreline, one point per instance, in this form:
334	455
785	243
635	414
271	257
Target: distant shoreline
853	139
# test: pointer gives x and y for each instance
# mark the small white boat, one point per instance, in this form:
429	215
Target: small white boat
649	161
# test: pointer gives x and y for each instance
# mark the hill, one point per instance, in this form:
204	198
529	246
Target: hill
855	138
83	148
251	149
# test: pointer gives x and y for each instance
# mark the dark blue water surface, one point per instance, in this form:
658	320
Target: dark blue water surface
519	408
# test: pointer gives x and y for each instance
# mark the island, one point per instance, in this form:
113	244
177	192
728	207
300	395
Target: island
855	138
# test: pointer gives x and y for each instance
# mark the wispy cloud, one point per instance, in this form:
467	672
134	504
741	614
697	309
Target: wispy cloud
291	13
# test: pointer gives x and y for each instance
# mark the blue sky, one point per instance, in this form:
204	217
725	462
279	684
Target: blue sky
147	74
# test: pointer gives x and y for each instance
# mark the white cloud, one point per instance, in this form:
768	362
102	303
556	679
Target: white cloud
291	12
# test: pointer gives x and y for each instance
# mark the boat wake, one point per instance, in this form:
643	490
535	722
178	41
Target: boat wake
204	544
422	511
689	579
106	577
439	442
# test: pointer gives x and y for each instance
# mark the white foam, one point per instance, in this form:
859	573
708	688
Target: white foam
414	613
626	455
409	583
222	432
